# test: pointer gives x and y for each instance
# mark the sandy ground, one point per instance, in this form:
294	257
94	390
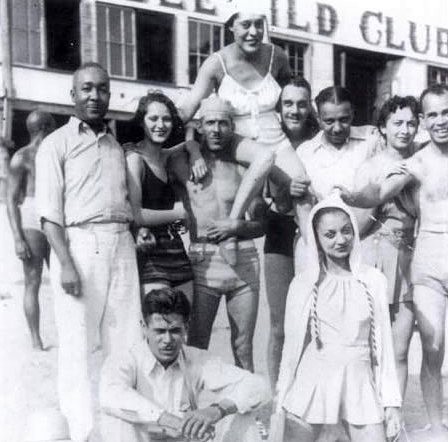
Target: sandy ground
28	378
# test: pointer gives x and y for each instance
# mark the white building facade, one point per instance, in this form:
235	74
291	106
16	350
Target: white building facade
374	48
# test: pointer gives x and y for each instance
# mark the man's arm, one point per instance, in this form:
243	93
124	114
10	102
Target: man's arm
50	186
118	397
372	193
238	390
70	280
253	227
16	176
196	160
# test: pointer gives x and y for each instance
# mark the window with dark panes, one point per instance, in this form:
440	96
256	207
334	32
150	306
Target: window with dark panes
62	31
204	38
295	52
437	75
26	24
116	40
155	49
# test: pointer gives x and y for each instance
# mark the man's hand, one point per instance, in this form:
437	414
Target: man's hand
70	280
220	230
299	187
344	193
23	250
197	163
198	169
199	424
397	168
145	240
392	419
171	425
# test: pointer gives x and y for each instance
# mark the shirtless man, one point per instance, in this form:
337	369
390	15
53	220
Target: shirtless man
429	270
208	205
30	242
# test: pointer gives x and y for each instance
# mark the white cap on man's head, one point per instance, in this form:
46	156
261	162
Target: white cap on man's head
214	104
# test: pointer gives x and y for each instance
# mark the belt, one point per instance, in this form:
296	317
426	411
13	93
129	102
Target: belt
201	245
102	227
398	237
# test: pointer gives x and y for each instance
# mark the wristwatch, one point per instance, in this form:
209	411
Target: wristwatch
221	409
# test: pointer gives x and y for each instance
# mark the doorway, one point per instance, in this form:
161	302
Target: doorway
365	75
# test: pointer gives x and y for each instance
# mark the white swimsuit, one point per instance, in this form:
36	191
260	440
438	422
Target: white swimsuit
255	116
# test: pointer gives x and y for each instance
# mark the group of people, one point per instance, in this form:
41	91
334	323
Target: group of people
345	285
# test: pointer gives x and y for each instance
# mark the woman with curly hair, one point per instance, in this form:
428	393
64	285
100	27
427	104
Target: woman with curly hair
161	255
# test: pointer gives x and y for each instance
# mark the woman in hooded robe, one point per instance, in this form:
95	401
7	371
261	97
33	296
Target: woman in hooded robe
338	362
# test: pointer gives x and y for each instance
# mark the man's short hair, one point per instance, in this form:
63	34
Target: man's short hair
166	301
434	89
333	94
89	65
297	81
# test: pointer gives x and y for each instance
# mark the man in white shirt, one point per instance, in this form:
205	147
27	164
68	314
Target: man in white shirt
152	390
82	203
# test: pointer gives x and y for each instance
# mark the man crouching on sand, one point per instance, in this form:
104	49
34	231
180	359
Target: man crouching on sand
152	390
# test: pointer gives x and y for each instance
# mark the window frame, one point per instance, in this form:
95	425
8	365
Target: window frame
288	42
196	54
439	71
43	36
122	43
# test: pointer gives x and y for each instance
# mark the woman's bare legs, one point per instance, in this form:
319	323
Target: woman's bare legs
279	271
298	430
366	433
402	327
281	165
286	166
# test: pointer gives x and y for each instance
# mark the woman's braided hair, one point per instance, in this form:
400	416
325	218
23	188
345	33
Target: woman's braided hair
314	320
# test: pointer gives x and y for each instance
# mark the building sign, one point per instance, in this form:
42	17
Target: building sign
362	24
370	28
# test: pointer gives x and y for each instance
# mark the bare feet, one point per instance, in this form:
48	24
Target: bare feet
37	343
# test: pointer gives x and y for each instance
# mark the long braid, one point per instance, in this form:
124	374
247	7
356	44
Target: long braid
315	330
372	335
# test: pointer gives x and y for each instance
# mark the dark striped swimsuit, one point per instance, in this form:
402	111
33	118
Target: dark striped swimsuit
167	261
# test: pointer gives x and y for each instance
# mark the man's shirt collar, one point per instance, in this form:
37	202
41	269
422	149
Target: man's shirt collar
80	126
152	364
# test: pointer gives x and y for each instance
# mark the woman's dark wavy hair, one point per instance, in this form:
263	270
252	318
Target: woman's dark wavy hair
178	132
311	124
333	94
394	103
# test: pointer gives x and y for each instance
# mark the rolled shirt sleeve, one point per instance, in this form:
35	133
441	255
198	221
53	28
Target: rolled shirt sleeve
247	390
118	395
50	180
